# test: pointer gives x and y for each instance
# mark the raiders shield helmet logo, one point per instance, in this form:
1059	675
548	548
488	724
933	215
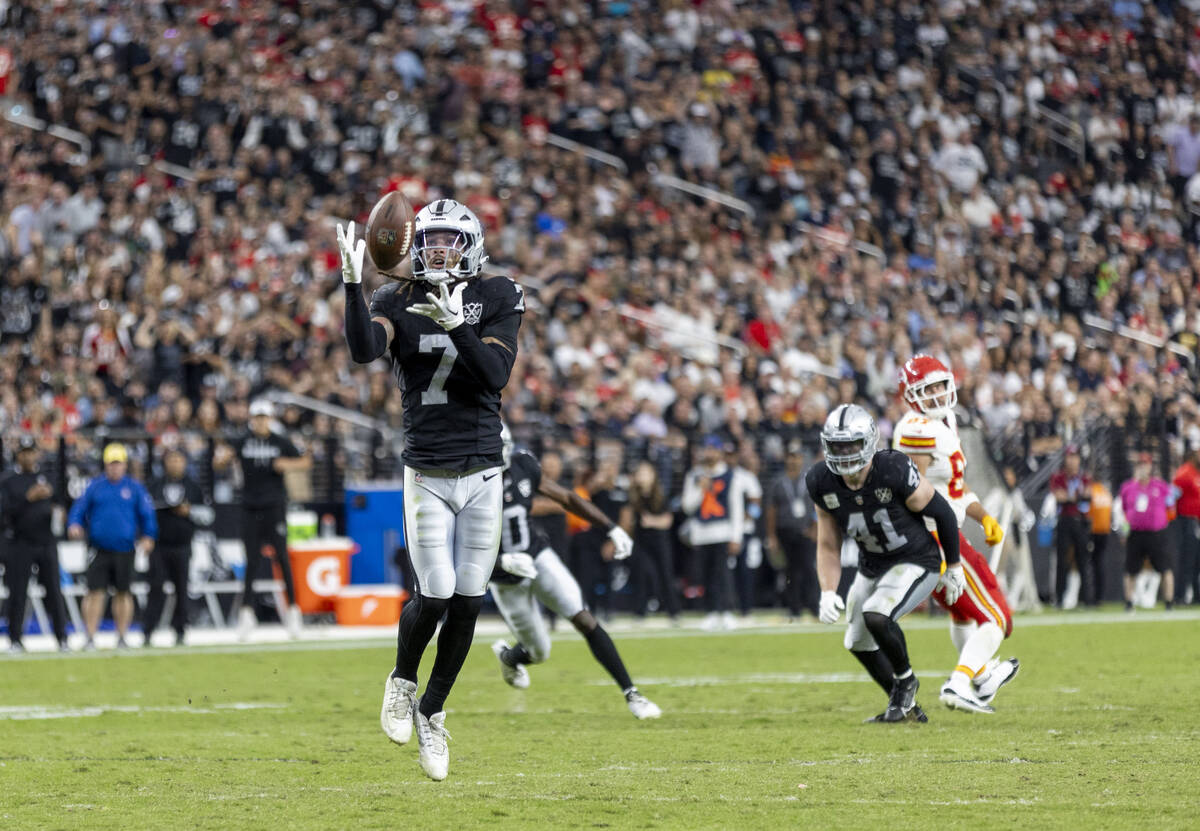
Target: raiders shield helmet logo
472	312
884	495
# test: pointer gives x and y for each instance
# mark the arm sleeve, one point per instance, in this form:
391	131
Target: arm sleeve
489	363
940	512
366	338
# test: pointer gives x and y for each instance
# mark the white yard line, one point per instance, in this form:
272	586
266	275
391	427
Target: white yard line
37	712
272	638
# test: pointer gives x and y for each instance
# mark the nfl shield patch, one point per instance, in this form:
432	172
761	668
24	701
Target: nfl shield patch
386	236
884	495
472	312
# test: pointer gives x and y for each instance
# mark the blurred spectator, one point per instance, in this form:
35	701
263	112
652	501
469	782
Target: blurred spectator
715	504
116	517
26	499
1072	489
1099	517
1145	500
791	532
653	560
178	504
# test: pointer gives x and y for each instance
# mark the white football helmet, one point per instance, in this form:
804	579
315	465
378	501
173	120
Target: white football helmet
447	243
506	445
849	439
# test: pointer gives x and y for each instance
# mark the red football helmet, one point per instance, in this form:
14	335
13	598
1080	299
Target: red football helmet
928	386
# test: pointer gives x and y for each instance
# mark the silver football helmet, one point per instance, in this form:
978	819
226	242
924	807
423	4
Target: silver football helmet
447	243
506	445
849	439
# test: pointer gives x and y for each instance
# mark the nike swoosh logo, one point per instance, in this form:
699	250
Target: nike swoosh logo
490	478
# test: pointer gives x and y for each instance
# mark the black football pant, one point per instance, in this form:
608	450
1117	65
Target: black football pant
655	568
22	557
262	528
167	564
1189	559
800	557
1095	558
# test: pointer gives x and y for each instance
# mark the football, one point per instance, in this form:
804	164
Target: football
390	231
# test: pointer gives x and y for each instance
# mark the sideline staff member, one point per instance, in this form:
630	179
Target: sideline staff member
116	516
178	505
26	497
265	457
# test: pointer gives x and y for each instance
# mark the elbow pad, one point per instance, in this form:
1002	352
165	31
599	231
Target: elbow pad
942	514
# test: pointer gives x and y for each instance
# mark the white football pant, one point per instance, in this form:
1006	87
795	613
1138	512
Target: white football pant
894	593
554	586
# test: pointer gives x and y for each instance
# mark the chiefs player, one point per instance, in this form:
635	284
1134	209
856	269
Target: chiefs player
980	619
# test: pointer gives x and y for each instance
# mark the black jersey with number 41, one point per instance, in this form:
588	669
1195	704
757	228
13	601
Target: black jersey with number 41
518	535
451	421
875	515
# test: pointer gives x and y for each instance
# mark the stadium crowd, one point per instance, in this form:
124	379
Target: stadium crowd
997	183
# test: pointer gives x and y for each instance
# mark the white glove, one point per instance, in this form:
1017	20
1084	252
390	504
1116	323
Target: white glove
831	607
952	583
352	255
445	308
519	565
622	544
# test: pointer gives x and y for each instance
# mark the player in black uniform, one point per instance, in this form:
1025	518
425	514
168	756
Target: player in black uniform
530	570
451	334
879	498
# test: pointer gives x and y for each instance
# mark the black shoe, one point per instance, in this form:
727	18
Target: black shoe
179	639
1128	606
903	699
918	715
1169	606
146	640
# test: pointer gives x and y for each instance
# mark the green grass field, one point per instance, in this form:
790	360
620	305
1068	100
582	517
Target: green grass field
762	729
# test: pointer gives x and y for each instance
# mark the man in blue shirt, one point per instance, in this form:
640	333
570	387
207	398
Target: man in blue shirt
116	517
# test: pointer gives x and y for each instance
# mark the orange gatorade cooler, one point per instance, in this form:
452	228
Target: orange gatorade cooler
320	567
368	605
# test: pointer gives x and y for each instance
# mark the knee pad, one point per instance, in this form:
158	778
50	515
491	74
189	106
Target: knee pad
437	582
470	579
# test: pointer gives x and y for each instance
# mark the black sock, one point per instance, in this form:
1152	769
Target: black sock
516	655
890	637
878	665
418	621
454	642
605	651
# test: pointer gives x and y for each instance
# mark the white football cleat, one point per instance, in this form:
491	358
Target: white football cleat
1004	672
432	738
293	621
711	622
399	704
247	620
640	706
516	676
728	621
958	695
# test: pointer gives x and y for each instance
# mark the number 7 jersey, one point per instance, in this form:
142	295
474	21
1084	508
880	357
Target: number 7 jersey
919	434
451	419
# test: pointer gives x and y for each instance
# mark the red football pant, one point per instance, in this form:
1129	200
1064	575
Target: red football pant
982	602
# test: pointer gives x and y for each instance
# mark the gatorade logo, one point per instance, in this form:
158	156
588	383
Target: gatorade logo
369	605
324	576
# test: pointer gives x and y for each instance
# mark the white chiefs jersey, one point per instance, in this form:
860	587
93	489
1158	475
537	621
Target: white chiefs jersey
917	434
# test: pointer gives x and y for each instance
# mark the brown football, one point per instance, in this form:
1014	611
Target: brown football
390	231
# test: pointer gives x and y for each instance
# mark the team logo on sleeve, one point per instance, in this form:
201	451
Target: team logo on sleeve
831	501
525	487
914	476
884	495
472	312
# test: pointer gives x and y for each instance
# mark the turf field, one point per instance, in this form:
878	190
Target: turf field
762	729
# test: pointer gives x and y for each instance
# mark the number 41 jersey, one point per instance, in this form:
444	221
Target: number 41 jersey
451	419
875	516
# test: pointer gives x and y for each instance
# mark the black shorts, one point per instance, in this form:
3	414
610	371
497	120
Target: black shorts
1147	545
109	569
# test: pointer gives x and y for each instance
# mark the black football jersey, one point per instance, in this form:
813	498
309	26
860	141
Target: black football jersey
518	534
450	421
875	516
262	484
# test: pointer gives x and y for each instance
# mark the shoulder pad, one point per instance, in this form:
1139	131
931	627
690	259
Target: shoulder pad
526	460
898	469
917	432
501	288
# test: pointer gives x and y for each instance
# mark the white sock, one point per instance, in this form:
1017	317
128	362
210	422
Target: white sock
1152	584
1070	598
979	650
960	633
